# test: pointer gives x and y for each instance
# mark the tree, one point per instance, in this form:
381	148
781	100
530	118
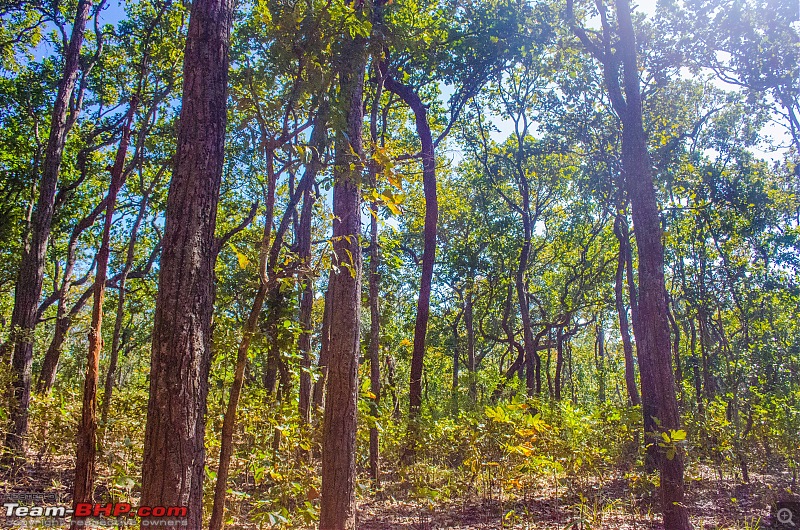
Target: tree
651	327
87	429
31	269
337	510
174	452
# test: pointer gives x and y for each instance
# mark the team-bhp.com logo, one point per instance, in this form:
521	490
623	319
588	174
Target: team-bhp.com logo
95	515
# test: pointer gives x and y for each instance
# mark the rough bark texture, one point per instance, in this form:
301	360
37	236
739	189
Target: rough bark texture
338	507
622	312
87	428
31	269
174	454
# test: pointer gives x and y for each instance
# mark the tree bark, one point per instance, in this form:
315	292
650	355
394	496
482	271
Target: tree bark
31	269
456	360
337	507
174	452
528	340
601	363
87	428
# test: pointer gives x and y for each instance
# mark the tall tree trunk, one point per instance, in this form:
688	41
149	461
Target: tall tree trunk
174	452
652	329
337	508
630	376
411	98
87	428
31	268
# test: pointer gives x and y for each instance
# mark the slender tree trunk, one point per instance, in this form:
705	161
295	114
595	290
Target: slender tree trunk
274	304
174	452
411	98
676	349
698	382
652	329
392	383
337	508
709	388
87	428
528	340
622	313
319	139
31	269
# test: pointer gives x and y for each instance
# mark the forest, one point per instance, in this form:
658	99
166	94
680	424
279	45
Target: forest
400	264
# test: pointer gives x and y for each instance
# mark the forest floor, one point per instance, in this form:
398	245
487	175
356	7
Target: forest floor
612	504
713	504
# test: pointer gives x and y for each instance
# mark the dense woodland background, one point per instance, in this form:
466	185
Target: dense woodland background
544	254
